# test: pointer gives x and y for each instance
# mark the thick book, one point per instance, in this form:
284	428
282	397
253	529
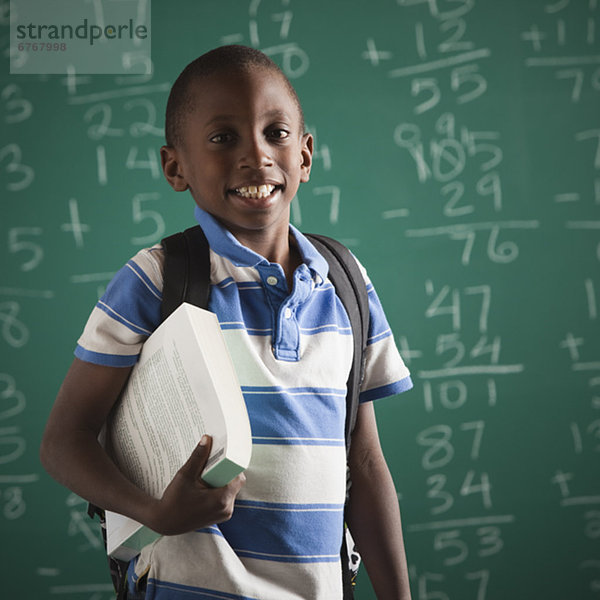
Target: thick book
184	386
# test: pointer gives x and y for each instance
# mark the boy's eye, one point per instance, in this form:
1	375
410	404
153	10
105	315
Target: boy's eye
221	138
279	134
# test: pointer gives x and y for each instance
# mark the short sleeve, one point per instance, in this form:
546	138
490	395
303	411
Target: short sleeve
385	371
127	313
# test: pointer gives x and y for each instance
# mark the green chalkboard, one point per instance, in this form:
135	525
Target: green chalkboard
458	154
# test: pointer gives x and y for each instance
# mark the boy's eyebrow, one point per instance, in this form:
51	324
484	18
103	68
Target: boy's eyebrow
270	114
276	113
219	118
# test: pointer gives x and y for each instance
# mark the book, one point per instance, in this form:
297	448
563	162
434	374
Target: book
184	386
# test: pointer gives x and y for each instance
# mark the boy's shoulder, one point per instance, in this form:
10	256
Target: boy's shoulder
148	265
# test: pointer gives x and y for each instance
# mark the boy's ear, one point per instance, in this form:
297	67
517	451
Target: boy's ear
306	153
172	168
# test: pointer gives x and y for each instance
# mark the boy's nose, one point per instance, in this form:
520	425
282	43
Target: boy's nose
255	154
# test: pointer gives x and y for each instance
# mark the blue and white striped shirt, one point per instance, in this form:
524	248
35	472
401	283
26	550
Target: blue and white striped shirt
292	352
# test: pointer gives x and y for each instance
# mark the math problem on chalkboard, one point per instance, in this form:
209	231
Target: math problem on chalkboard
457	153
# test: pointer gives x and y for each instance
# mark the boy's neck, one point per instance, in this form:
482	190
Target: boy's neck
282	250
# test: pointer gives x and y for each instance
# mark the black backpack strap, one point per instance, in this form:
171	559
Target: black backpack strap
186	270
350	286
118	568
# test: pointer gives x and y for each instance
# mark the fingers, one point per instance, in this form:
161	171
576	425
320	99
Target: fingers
223	499
188	503
195	464
237	483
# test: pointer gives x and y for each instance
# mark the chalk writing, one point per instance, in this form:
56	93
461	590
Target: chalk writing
465	134
12	448
15	175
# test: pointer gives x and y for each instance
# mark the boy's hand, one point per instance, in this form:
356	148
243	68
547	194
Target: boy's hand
188	503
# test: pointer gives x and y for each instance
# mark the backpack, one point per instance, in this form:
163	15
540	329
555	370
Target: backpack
187	279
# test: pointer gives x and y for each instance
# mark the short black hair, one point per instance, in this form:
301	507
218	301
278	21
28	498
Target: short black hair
233	57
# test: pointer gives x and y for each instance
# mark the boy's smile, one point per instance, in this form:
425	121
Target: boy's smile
243	153
262	191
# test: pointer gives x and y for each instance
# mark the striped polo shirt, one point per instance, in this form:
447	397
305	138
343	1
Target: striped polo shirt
293	353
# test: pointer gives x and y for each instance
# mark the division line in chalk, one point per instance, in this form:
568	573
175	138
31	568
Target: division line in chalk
395	213
583	224
44	294
91	277
31	478
139	90
469	522
47	571
561	61
466	227
234	38
473	370
280	48
589	366
82	589
441	63
580	500
567	197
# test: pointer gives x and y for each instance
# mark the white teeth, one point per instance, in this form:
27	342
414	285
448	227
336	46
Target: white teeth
252	191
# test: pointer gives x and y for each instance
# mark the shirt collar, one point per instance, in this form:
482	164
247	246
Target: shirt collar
224	243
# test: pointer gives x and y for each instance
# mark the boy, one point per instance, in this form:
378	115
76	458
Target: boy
235	139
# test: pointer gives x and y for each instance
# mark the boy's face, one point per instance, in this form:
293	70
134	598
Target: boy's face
243	154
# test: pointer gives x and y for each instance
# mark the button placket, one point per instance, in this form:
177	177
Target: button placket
286	330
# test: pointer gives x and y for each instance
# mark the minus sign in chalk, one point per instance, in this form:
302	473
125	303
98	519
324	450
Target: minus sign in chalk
19	479
567	197
48	572
396	213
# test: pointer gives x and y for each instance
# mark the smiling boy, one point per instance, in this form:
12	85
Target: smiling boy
220	156
236	140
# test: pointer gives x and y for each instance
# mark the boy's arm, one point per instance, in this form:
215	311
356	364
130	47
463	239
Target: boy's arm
373	513
70	452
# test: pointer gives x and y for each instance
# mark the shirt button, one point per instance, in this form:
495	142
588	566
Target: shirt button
271	280
287	313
